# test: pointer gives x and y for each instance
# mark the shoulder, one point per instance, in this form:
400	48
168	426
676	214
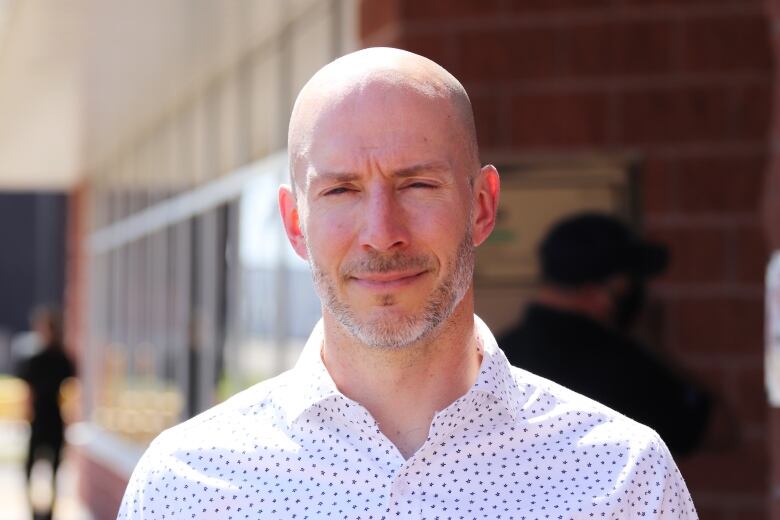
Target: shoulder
548	401
246	421
259	406
201	451
582	426
634	469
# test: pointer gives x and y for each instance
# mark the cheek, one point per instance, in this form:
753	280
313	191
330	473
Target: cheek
328	237
433	227
439	221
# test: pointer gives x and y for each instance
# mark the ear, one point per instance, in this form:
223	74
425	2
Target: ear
487	187
288	206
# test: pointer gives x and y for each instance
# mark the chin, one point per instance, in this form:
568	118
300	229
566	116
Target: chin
390	330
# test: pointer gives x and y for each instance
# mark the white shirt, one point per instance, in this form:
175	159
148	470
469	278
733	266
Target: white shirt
516	446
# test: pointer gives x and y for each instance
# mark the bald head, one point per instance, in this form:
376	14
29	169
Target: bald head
371	80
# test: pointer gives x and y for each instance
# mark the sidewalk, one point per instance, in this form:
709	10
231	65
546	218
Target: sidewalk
13	501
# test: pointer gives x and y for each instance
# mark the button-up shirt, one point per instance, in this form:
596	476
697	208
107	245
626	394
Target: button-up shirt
515	446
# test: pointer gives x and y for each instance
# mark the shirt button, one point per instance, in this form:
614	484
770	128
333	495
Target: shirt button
401	488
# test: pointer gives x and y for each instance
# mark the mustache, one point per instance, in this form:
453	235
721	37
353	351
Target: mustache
378	263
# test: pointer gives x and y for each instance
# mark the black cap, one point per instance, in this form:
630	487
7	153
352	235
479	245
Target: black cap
591	247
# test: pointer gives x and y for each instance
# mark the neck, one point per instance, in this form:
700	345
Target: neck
403	388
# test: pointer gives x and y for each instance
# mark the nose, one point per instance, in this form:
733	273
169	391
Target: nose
384	226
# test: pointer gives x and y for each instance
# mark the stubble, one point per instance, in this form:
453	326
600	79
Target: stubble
390	330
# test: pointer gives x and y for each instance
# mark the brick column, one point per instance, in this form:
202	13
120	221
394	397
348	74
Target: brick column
75	311
771	214
75	269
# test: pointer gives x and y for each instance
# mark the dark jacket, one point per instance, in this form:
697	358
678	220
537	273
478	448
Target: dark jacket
44	373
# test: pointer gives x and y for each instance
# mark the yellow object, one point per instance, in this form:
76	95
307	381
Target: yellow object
13	399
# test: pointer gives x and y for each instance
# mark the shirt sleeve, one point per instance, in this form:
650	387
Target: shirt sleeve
70	368
655	487
22	370
143	495
133	506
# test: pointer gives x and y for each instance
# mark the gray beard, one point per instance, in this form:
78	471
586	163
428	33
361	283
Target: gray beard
397	333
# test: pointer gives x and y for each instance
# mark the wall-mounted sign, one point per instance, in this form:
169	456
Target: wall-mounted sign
537	193
772	365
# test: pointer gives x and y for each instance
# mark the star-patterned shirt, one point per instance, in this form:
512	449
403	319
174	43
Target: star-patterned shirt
515	446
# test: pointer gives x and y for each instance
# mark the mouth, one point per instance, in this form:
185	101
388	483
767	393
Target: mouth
386	281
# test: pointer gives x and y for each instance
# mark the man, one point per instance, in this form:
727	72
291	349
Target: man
45	373
594	271
402	405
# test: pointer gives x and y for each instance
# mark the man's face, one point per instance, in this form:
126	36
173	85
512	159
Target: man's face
385	206
629	303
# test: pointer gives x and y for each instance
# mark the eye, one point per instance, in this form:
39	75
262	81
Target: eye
336	191
420	184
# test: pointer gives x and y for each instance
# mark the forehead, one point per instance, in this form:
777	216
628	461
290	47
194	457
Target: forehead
385	124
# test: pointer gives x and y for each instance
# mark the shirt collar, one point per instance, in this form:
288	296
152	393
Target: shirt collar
312	384
495	377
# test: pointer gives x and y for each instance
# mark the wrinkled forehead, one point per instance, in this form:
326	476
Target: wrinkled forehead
381	94
389	110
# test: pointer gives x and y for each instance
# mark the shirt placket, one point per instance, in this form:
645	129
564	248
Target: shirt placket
403	492
409	496
390	466
405	496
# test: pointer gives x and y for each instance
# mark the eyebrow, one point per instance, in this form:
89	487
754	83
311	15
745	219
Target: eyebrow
432	166
409	171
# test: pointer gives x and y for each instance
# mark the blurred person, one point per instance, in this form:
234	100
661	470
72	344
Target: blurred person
45	372
401	404
575	331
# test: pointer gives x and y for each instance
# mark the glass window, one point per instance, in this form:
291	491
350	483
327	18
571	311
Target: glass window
276	306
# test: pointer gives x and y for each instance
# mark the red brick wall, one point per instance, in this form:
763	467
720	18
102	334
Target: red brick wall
771	213
688	86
